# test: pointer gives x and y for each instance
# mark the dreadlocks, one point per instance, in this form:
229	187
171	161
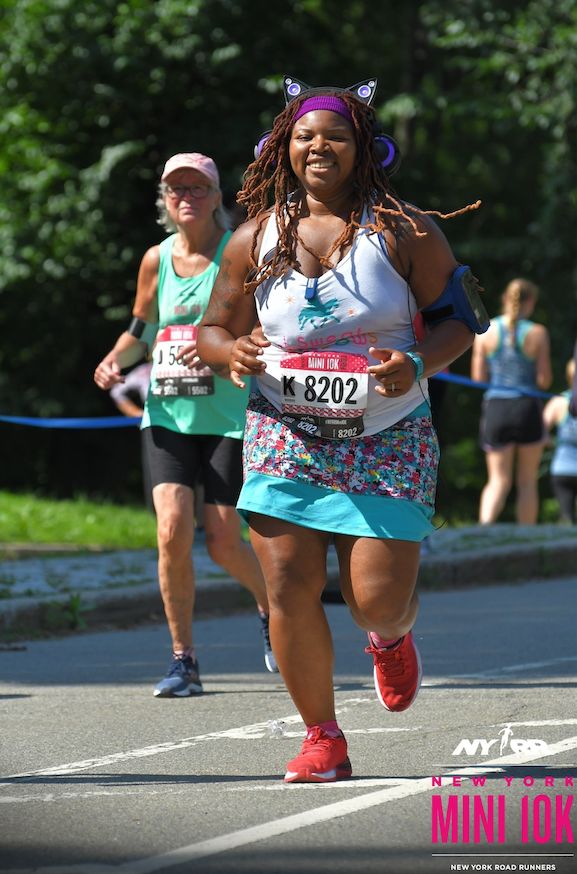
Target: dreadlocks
272	171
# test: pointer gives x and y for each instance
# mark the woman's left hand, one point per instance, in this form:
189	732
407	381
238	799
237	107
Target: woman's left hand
188	356
395	374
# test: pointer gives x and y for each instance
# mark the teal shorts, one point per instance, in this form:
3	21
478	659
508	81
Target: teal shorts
380	486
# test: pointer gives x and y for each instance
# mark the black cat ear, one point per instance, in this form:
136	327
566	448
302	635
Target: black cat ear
293	88
365	91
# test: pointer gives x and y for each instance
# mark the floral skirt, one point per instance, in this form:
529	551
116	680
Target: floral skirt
381	486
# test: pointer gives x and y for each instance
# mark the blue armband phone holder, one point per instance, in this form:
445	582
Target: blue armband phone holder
459	300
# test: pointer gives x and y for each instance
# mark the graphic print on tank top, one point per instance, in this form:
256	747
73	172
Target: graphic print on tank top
318	314
320	330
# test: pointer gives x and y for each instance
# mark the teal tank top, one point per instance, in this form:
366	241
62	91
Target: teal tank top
509	368
197	401
564	461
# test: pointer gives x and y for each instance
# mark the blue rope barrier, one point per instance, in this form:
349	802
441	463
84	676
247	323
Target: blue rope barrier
130	421
464	380
96	422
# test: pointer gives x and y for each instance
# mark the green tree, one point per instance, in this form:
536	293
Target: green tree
479	93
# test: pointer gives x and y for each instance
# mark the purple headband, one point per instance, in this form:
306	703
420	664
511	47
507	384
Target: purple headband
333	104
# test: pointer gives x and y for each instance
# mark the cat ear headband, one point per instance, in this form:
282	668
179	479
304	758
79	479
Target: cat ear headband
293	88
317	98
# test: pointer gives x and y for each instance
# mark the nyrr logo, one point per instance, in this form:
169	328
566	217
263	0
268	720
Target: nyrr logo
482	747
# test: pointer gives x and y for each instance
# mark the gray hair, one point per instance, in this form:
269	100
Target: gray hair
221	215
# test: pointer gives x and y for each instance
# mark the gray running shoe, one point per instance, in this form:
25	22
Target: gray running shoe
269	658
181	681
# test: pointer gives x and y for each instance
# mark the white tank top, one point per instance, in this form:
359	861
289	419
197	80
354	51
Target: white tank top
320	332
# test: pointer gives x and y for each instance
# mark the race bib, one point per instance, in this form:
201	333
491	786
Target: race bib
324	394
170	377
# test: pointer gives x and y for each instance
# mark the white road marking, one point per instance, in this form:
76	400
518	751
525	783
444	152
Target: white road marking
511	669
299	734
273	828
363	783
535	723
144	789
254	731
66	796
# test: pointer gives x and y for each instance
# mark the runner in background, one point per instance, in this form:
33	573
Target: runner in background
573	394
129	397
192	421
514	357
563	467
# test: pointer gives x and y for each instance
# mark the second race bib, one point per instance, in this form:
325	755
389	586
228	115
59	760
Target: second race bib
172	379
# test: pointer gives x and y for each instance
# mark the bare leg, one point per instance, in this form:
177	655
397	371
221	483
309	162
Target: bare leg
174	508
526	482
293	559
378	579
227	549
500	473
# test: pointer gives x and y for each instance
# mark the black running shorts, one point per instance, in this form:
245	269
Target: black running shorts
187	459
508	421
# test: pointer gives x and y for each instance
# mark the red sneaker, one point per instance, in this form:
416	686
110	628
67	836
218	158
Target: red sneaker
322	759
397	673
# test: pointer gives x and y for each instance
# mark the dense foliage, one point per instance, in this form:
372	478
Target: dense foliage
479	93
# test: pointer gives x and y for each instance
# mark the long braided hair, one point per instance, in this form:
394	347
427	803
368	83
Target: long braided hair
271	173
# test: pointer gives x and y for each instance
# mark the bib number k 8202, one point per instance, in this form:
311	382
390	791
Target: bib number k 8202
324	394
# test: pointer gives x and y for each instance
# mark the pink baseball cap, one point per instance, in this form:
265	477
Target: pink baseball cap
192	161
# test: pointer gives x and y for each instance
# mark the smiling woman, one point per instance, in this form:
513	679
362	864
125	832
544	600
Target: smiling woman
326	123
316	299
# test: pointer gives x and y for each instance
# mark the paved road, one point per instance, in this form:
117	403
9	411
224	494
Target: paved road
96	775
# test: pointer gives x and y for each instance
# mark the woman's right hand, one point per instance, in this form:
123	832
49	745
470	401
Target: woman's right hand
108	373
245	356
